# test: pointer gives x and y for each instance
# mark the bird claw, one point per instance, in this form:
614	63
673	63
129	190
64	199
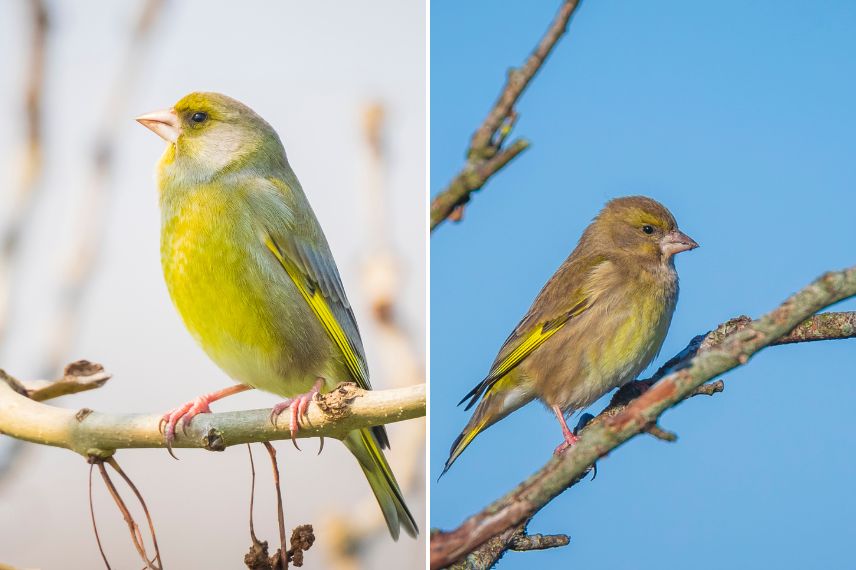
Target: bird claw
186	412
183	414
299	406
570	439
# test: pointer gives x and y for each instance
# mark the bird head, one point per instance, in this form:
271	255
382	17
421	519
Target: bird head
210	132
641	227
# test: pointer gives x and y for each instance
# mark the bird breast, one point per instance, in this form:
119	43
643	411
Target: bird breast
608	345
236	303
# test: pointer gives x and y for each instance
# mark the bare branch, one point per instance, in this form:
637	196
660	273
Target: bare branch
79	376
519	79
486	155
730	345
95	434
523	542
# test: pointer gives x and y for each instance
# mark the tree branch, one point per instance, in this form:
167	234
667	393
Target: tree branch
486	155
95	434
729	346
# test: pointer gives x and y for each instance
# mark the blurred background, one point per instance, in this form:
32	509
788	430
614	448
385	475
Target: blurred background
739	117
344	85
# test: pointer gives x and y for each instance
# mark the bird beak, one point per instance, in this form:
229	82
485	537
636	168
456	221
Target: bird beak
675	242
163	123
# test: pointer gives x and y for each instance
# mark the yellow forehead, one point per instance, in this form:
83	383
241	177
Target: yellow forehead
640	217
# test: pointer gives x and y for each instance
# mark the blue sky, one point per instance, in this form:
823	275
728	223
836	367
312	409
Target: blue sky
739	117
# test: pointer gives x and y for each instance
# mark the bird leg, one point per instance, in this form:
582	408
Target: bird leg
186	412
570	438
299	406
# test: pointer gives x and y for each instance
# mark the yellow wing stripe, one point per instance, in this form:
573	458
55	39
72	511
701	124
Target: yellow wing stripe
322	310
535	339
530	343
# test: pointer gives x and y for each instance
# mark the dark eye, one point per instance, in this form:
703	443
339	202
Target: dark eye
648	229
199	117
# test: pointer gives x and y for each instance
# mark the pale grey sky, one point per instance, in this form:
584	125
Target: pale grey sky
306	67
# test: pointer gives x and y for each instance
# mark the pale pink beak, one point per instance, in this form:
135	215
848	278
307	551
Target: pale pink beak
164	124
675	242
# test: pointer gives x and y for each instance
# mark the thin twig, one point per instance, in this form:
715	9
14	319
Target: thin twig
252	494
133	527
115	465
682	381
79	376
525	542
486	154
280	515
92	516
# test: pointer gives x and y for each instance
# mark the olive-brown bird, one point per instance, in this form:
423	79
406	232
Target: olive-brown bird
596	324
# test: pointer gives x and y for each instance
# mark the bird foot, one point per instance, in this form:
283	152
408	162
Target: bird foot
186	412
298	405
570	439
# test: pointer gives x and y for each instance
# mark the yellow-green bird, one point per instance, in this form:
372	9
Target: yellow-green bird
596	324
251	274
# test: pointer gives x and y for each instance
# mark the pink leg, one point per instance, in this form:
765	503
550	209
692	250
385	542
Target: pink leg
299	406
570	438
186	412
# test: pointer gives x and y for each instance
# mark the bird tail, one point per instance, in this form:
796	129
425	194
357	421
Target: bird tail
499	401
366	448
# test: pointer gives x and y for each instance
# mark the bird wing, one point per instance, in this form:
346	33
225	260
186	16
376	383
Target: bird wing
518	347
564	297
292	234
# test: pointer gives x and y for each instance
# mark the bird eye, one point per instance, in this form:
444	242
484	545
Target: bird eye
648	229
199	117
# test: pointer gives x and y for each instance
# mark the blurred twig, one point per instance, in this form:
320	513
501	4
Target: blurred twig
487	154
729	346
80	267
83	257
30	163
23	203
